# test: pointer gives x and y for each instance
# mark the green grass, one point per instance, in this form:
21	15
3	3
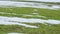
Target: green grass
43	29
50	14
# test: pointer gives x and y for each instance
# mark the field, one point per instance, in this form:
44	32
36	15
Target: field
20	12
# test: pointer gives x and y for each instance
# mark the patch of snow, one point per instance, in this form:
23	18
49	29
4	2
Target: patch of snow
7	21
20	21
45	0
31	20
35	13
16	33
28	25
27	15
27	4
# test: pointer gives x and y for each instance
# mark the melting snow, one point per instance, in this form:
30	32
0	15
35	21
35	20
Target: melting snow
16	33
46	0
19	21
31	20
27	4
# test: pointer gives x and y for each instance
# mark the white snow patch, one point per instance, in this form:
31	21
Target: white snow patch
31	20
27	4
45	0
16	33
34	13
20	21
27	15
13	33
7	21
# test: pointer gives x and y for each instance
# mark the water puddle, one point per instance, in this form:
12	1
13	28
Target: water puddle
27	4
